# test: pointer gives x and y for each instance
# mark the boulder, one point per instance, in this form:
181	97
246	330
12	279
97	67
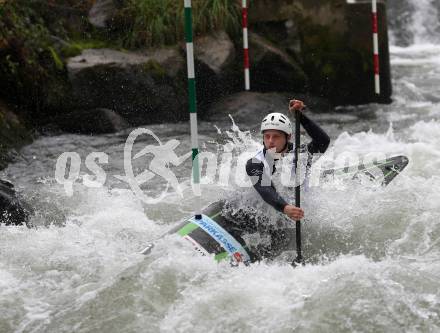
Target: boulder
246	107
101	12
143	88
12	212
215	68
13	135
273	69
100	57
95	121
283	33
215	50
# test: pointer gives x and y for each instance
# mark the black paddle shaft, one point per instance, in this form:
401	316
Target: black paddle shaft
299	258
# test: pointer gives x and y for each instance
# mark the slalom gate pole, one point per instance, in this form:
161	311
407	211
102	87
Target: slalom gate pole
375	47
299	258
244	16
192	107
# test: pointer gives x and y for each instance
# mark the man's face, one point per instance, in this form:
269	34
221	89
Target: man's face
275	139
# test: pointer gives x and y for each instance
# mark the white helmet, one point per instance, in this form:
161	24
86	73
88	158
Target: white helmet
276	121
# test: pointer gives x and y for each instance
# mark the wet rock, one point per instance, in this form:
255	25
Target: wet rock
143	88
101	12
95	121
245	107
273	69
215	68
100	57
12	212
215	50
13	135
283	33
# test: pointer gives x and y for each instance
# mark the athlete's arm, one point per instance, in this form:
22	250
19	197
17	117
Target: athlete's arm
320	139
268	192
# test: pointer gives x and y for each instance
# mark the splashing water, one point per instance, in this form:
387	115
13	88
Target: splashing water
414	22
426	22
374	249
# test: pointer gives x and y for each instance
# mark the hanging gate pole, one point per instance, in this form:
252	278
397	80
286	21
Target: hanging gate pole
244	15
192	107
375	48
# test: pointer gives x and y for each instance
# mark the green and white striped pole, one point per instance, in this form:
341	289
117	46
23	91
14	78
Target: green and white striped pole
192	106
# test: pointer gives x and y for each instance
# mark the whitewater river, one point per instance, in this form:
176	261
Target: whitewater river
375	250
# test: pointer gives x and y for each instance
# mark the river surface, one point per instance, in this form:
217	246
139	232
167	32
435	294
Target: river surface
375	250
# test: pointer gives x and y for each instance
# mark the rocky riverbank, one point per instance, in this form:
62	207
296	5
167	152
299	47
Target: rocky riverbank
98	66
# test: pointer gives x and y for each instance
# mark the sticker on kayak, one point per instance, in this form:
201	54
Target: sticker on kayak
196	246
229	243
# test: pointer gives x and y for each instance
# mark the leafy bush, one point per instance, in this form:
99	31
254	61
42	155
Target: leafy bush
24	50
32	37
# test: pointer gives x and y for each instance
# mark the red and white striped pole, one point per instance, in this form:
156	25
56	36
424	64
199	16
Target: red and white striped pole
244	11
375	49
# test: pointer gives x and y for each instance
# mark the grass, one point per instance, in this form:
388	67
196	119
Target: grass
75	47
144	23
59	64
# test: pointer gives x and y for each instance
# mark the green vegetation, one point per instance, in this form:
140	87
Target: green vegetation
75	47
59	64
34	42
143	23
25	56
154	68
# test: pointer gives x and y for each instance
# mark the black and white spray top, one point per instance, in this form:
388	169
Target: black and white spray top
258	165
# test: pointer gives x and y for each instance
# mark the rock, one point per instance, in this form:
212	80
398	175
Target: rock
12	212
283	33
95	121
215	50
99	57
143	88
215	68
273	69
247	107
101	12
